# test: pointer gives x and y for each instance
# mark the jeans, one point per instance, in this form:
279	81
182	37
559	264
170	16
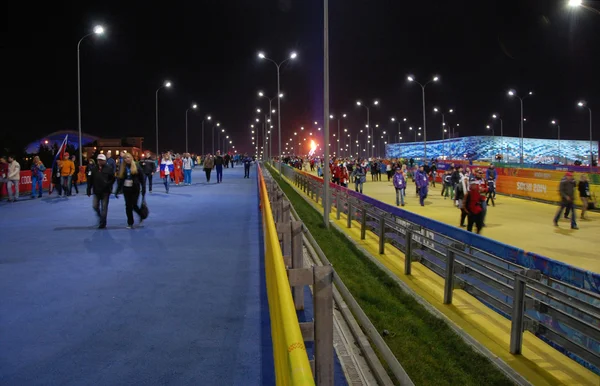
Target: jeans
65	182
73	185
132	196
399	196
571	208
167	182
187	176
36	182
219	173
207	171
9	188
100	205
246	171
148	177
358	184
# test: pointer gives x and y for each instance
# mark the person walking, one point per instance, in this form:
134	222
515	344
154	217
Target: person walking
100	179
359	176
130	183
148	168
473	205
37	176
209	164
13	178
188	165
247	164
66	168
166	170
3	172
178	170
75	177
567	194
422	181
219	162
584	194
400	186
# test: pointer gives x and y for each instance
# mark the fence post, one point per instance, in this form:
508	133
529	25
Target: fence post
297	261
323	311
518	311
349	214
408	252
285	211
337	205
381	235
449	282
363	223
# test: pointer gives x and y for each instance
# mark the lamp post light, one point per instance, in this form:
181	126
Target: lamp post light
271	110
207	118
514	93
194	106
213	137
393	119
98	30
293	55
435	79
556	123
436	110
584	104
338	133
167	84
369	131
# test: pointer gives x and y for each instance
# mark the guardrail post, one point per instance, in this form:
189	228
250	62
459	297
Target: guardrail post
349	214
285	211
381	235
408	252
449	282
297	261
363	223
323	311
518	312
337	205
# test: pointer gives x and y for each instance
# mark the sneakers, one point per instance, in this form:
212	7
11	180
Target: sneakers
575	227
129	226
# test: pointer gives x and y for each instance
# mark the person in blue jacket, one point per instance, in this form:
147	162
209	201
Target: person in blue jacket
422	182
491	175
400	186
247	164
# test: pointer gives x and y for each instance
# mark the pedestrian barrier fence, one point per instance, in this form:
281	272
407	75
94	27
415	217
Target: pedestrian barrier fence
562	314
286	278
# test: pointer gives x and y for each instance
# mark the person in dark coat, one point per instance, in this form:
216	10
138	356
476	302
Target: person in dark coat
148	168
130	183
567	196
100	179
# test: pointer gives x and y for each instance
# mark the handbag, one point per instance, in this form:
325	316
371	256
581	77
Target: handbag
144	211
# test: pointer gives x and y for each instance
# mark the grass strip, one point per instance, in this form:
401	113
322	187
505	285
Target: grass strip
430	352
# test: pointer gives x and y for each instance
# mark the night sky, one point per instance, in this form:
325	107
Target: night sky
208	50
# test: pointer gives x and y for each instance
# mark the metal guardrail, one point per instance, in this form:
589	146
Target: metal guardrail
565	316
289	353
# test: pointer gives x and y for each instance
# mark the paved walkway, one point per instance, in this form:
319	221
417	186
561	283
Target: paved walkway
180	300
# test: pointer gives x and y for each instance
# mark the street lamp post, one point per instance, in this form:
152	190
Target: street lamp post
399	127
514	93
370	133
98	30
194	106
208	118
293	55
584	104
167	84
338	133
435	79
557	124
213	137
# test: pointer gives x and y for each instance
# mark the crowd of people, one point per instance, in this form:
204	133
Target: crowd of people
125	175
470	189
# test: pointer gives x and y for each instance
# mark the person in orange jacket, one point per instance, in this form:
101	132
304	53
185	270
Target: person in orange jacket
178	166
67	169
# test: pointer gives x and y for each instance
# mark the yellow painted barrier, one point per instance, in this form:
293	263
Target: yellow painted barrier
289	353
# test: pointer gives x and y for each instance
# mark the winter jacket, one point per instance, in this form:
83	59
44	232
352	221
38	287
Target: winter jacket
148	166
14	171
566	189
399	181
209	163
37	170
421	179
101	180
137	181
584	189
188	164
359	173
219	160
473	200
491	174
66	167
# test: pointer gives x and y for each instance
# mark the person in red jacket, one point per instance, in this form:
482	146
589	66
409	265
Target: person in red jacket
178	169
474	207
